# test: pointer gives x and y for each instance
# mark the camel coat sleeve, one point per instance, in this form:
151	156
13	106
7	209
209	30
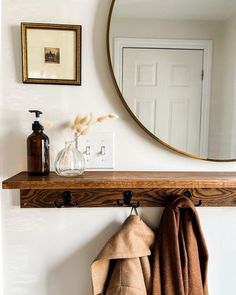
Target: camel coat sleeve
123	267
180	254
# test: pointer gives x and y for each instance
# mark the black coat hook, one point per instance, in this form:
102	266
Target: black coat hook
127	200
66	195
189	195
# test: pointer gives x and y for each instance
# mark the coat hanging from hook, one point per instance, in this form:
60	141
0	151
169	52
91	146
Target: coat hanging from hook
189	195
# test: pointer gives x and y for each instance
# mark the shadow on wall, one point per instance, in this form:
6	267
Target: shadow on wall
16	47
12	145
100	53
72	276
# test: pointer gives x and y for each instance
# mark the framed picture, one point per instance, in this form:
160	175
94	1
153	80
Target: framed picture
51	53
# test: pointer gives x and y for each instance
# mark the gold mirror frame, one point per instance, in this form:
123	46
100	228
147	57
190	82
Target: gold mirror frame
130	111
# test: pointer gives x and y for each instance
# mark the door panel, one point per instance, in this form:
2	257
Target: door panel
179	110
145	109
163	87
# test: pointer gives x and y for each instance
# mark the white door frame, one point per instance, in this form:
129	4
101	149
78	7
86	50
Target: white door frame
205	45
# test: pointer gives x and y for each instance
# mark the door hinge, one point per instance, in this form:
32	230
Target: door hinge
202	75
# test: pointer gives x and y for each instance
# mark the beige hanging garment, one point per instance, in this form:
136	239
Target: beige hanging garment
180	254
123	266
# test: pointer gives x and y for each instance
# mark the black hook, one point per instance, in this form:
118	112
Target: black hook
66	195
127	200
189	195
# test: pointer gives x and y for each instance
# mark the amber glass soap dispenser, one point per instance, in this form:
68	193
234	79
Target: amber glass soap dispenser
38	149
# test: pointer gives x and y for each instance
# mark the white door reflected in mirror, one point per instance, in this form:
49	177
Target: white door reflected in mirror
174	63
163	88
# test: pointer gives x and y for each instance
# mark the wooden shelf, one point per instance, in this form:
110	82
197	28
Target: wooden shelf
103	189
120	179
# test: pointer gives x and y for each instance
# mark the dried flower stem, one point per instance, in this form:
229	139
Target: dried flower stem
82	125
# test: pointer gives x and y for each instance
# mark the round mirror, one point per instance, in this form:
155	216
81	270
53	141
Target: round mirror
174	63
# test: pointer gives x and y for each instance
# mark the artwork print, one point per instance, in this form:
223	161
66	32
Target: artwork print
52	55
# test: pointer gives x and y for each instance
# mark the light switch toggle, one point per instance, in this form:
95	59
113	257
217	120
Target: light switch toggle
87	151
98	150
103	150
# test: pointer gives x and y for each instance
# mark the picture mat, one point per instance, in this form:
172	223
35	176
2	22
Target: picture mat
37	40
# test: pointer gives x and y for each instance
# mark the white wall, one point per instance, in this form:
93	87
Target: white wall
223	114
48	251
229	74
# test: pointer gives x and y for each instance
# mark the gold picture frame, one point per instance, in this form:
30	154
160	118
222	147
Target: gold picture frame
51	53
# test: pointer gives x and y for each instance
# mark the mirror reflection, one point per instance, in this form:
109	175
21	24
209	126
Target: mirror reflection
174	62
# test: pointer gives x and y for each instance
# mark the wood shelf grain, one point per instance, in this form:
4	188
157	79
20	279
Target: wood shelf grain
104	188
123	179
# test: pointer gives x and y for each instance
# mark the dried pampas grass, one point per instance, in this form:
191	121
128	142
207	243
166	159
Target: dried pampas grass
113	116
101	119
82	125
85	120
47	124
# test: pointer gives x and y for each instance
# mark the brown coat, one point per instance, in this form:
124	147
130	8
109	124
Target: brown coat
123	267
180	254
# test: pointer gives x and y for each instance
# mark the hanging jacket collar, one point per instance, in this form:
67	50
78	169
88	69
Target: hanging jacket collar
134	240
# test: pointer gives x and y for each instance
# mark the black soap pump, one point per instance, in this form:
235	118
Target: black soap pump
38	149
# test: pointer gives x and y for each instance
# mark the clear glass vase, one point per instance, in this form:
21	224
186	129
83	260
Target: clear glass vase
69	161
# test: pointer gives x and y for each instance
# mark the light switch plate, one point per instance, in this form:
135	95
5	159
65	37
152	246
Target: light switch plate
98	150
